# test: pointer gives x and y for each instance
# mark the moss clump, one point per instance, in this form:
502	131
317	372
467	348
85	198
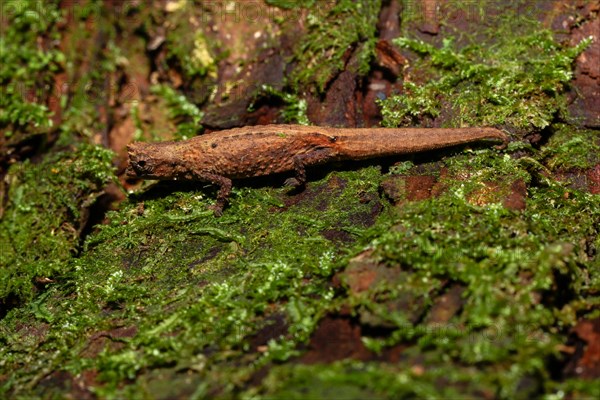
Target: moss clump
43	216
188	49
294	108
323	51
372	380
191	53
515	76
186	115
572	148
289	4
211	300
340	381
215	296
525	277
26	71
95	63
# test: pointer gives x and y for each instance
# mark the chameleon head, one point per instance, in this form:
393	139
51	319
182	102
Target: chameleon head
150	161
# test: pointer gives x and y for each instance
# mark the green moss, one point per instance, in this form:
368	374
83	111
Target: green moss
515	75
164	292
331	33
508	263
373	380
26	71
193	56
572	148
42	219
321	382
216	300
294	108
186	115
482	177
180	275
581	389
94	59
189	51
288	4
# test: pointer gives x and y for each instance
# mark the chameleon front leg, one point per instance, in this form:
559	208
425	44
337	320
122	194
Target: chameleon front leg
224	185
301	161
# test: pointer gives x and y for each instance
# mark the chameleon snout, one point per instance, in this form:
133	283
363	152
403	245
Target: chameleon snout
138	165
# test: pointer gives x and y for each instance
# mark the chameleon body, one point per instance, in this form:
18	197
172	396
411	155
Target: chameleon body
261	150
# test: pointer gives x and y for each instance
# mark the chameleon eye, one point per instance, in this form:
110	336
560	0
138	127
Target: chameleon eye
142	163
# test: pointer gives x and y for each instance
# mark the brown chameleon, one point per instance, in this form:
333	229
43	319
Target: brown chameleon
253	151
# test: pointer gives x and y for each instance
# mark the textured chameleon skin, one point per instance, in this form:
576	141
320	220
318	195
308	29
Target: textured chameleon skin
268	149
